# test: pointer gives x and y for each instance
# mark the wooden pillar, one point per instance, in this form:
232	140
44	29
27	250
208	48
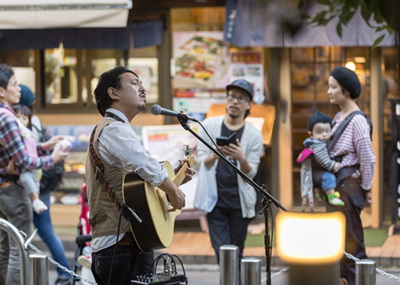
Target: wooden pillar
164	68
285	132
376	107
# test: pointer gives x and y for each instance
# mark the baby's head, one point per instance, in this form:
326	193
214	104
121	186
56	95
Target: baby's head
319	126
23	113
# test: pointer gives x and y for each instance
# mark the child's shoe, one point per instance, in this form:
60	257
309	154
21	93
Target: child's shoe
334	199
85	261
38	206
320	197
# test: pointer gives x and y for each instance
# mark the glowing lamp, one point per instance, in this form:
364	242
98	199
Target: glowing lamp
308	239
351	65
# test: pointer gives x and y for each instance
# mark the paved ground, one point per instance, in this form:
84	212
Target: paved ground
194	248
209	275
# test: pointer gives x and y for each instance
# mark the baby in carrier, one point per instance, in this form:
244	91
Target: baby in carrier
29	178
317	168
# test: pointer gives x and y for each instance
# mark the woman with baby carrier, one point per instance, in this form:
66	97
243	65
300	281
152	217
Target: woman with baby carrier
350	145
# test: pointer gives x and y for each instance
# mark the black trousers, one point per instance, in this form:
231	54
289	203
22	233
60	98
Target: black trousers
129	262
353	196
226	226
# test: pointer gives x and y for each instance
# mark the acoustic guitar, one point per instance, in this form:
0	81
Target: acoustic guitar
151	205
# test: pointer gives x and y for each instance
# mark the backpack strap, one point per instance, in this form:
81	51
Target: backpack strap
346	171
339	131
98	169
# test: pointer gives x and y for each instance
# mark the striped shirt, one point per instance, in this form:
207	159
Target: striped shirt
13	147
355	146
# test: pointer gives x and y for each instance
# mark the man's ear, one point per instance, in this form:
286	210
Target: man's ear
112	92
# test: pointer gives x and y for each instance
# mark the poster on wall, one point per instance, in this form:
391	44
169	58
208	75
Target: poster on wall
166	143
248	66
199	60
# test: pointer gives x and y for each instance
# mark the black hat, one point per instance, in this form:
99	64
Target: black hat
316	118
106	80
243	85
348	79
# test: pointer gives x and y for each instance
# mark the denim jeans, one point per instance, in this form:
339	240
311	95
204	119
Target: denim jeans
15	207
45	230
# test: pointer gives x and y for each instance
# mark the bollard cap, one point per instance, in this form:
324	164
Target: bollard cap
251	260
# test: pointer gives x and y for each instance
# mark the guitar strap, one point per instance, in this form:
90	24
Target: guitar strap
98	169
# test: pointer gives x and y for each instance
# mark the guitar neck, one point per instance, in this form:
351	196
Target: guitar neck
182	172
180	175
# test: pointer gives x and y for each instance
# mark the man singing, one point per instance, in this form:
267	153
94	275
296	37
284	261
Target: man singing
120	96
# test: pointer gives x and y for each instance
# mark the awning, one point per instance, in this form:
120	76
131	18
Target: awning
251	25
39	14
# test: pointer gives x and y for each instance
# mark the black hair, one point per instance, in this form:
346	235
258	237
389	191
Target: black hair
110	78
6	73
23	110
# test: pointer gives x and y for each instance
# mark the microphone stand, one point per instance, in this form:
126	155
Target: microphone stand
266	201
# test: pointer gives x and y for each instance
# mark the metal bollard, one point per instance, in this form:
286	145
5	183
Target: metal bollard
39	269
229	265
365	272
251	271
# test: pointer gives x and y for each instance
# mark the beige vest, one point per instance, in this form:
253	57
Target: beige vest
104	215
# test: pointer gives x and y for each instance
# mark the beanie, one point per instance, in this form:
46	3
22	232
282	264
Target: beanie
106	80
316	118
348	79
27	96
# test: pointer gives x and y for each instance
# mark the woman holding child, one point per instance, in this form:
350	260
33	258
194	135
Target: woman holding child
351	146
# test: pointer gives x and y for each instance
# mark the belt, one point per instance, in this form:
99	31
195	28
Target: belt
5	184
127	239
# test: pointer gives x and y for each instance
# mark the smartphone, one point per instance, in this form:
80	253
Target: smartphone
225	141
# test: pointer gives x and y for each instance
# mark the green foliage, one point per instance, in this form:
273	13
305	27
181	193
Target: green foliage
383	13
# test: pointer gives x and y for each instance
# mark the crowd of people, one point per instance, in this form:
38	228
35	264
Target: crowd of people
339	159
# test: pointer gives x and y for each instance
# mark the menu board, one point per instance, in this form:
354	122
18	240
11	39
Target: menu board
166	143
199	60
248	66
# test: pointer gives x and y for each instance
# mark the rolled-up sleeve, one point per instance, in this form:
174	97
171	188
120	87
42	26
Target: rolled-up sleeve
121	147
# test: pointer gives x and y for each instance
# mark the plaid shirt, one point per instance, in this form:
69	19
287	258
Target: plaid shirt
13	147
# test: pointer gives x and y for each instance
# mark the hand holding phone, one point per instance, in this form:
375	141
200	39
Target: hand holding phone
225	141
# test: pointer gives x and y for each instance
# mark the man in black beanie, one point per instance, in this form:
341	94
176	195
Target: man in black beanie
120	96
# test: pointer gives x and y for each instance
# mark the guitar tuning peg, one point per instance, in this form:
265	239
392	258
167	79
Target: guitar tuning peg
187	150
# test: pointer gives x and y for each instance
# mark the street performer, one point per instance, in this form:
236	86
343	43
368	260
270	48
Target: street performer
120	96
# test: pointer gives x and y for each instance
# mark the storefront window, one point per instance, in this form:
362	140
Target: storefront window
61	76
22	62
144	62
310	69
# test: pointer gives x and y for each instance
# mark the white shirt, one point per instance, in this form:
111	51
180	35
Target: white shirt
120	146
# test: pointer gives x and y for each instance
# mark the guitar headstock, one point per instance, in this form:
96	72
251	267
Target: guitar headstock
188	152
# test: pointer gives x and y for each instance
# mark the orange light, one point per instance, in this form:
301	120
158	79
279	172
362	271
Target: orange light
310	238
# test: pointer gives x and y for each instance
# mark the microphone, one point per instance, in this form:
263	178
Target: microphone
158	110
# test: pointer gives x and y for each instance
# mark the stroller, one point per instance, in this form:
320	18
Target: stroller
84	233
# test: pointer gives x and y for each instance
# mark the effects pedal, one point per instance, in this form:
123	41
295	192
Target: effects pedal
160	279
